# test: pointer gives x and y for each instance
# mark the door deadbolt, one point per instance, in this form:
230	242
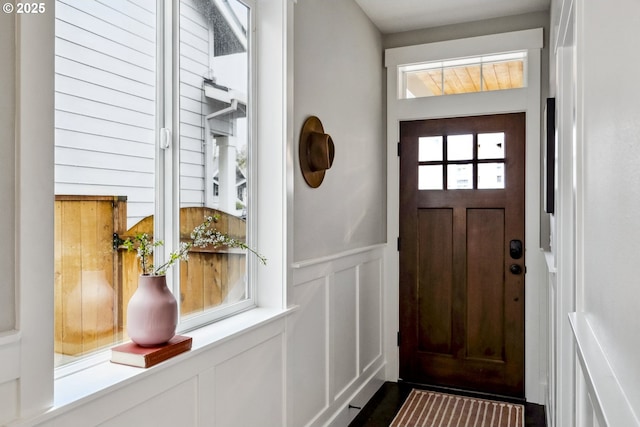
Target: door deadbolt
515	249
515	269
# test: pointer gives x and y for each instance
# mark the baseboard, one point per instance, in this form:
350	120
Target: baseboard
358	399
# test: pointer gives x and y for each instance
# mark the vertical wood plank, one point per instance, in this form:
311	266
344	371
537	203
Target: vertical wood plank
58	280
119	227
72	279
89	265
104	286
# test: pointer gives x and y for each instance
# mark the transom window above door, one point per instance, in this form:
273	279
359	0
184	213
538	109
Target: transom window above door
459	162
465	75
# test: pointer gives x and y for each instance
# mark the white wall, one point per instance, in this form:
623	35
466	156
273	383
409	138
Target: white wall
611	149
8	380
605	199
7	182
336	354
338	78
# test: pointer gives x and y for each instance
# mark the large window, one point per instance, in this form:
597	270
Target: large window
153	133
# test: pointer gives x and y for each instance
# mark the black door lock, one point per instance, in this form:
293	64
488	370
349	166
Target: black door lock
515	249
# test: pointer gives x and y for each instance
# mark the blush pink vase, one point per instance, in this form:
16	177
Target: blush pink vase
152	313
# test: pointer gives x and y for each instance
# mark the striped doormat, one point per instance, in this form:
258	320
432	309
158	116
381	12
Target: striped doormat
430	409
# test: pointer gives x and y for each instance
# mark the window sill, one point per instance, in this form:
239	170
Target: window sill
103	377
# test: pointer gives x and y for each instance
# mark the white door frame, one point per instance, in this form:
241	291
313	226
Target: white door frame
527	99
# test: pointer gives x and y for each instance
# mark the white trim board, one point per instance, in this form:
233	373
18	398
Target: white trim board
472	46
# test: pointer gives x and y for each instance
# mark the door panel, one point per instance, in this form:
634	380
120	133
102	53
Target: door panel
434	325
461	203
485	261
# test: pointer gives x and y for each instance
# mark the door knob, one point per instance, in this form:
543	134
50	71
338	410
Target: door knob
515	269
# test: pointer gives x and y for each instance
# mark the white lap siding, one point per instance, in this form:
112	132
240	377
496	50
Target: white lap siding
105	99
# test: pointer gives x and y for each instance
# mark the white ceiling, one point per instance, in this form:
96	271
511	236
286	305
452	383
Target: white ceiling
391	16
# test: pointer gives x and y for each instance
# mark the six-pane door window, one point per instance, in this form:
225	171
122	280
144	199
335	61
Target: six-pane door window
467	161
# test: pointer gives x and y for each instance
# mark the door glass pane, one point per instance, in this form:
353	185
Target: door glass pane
460	177
430	177
105	104
214	147
430	148
491	175
491	145
460	147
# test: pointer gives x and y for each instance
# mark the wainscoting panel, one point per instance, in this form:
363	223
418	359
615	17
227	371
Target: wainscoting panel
307	353
335	336
162	410
370	320
249	387
343	326
552	377
236	382
8	401
9	372
601	401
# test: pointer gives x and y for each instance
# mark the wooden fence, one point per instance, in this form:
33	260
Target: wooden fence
95	276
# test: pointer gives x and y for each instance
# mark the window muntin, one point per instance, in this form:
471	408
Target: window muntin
463	162
113	177
465	75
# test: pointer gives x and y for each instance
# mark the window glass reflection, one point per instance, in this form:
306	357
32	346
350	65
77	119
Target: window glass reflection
460	177
460	147
491	145
490	175
430	148
430	177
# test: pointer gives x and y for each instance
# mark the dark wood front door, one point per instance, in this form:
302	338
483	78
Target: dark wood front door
462	252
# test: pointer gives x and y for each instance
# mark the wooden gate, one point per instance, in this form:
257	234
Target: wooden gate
94	280
87	283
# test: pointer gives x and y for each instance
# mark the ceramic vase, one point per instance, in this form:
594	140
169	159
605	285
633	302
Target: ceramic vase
152	313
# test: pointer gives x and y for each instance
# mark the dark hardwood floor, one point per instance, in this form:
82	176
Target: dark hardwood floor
384	405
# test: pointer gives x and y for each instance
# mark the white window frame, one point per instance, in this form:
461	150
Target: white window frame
167	227
31	363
